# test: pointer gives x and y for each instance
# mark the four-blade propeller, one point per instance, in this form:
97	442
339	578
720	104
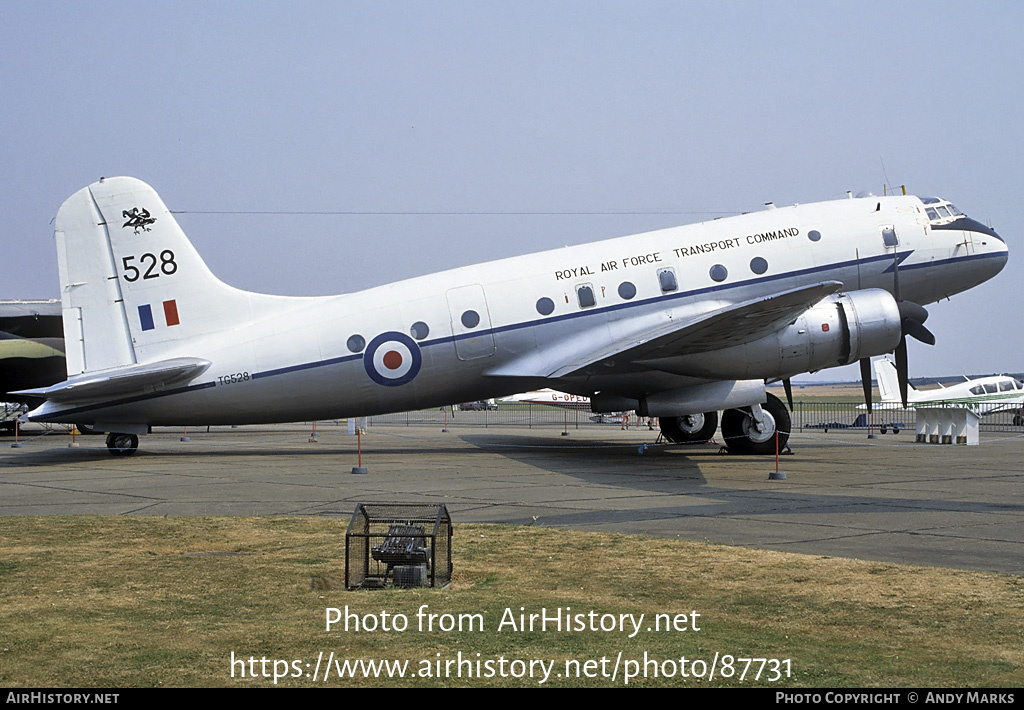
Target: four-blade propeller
912	318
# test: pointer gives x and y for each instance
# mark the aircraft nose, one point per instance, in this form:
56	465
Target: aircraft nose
993	247
972	225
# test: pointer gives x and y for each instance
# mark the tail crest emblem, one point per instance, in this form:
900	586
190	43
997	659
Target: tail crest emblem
139	219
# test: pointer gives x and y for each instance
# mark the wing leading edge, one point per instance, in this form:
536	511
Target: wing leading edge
722	327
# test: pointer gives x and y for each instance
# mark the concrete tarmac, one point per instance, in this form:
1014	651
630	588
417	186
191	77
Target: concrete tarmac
887	500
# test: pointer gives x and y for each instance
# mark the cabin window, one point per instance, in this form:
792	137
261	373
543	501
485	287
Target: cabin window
667	280
585	294
419	330
356	343
470	319
718	273
1006	386
545	306
991	389
889	236
758	265
627	290
977	389
814	235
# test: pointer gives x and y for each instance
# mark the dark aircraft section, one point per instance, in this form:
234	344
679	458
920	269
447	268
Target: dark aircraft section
31	347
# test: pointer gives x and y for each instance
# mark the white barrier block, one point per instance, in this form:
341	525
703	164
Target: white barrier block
947	425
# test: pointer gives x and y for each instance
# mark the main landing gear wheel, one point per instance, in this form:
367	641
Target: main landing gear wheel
122	444
743	436
689	428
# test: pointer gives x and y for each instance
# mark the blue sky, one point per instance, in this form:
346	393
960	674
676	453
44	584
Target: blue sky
693	108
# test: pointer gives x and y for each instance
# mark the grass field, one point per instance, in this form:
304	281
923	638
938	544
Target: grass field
148	601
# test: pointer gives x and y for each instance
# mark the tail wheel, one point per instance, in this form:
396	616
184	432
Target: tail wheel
743	436
122	444
689	428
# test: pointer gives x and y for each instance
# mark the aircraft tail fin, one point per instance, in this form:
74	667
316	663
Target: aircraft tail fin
133	288
888	381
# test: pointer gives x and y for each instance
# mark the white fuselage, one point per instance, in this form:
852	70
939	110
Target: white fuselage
491	329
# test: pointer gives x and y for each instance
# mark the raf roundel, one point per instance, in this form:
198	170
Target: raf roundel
392	359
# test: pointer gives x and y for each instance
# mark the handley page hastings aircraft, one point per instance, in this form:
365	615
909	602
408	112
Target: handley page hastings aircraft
679	324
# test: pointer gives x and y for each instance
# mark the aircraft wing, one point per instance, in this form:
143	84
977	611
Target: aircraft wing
998	407
719	328
122	380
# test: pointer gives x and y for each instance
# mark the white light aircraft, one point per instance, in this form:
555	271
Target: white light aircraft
679	323
984	395
552	398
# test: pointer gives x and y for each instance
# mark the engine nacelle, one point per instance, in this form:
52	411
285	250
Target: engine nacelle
838	330
707	397
704	397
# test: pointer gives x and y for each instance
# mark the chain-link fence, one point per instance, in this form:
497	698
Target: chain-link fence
885	417
525	415
806	416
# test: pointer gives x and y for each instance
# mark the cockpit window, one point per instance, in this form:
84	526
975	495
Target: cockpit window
941	211
1005	386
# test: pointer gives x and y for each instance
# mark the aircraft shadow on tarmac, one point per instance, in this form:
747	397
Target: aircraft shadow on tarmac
808	513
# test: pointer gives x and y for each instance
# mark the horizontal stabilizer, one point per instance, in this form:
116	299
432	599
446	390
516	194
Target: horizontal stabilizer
121	381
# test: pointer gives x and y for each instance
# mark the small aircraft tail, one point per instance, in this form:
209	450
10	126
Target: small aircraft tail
888	382
133	288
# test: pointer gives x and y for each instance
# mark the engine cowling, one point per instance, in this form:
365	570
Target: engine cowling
838	330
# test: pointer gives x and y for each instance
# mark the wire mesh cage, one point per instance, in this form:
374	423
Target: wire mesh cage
402	544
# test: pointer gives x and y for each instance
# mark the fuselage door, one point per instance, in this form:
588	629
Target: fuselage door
471	322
